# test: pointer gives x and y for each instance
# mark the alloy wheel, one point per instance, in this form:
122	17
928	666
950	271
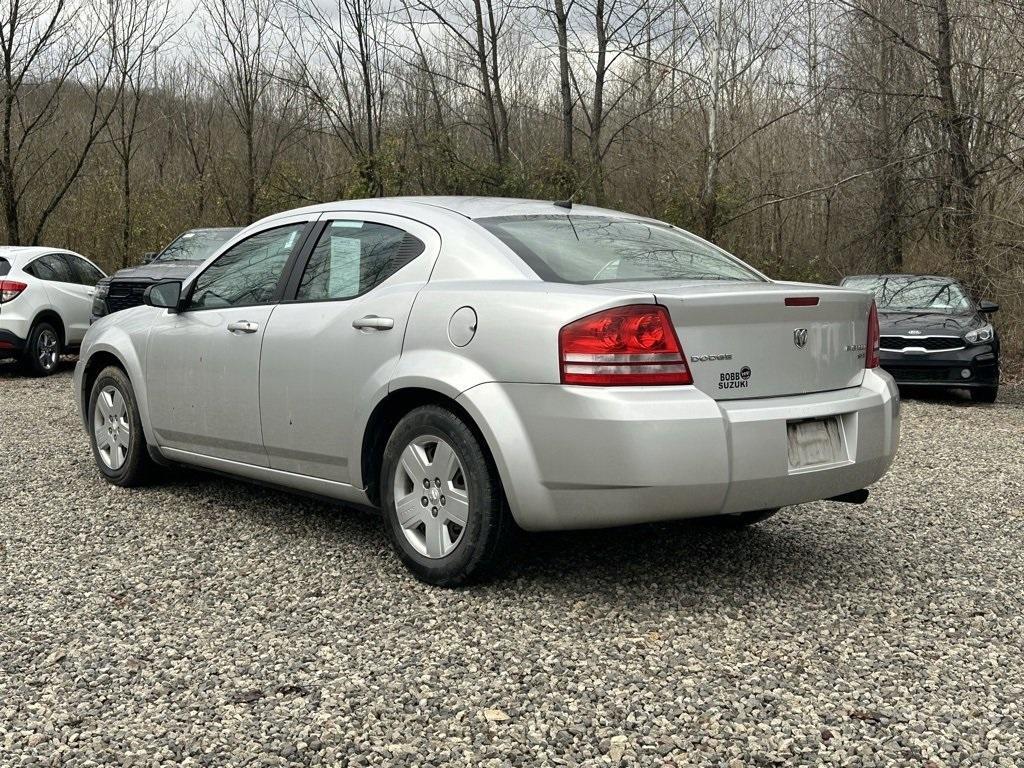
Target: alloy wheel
111	427
431	496
47	349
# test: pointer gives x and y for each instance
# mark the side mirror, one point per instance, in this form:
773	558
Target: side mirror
148	256
987	307
165	295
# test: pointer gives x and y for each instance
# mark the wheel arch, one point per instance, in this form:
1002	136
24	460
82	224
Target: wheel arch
97	362
97	356
53	317
385	417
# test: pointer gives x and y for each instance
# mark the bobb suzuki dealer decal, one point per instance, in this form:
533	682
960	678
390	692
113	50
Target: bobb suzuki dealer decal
735	379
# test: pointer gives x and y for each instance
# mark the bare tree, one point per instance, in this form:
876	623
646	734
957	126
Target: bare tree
58	90
477	31
246	44
140	28
343	63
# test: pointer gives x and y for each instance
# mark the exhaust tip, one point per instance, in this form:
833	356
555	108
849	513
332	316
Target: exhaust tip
853	497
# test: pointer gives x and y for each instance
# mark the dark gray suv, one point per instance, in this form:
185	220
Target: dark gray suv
124	288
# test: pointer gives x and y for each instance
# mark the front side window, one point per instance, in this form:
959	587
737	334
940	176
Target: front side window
910	293
353	257
84	272
247	273
603	249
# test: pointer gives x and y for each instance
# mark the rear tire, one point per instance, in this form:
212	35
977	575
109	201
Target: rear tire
464	529
43	350
985	394
743	519
115	430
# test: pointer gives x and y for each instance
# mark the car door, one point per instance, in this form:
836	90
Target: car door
202	362
86	275
334	341
67	295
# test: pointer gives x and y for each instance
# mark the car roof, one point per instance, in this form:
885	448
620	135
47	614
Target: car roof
466	207
20	254
486	207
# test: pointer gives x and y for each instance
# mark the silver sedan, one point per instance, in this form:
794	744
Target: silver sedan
470	365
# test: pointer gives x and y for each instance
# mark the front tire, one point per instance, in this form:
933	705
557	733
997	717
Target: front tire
444	507
43	351
115	430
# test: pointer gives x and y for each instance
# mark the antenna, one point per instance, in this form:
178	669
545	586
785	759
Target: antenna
567	204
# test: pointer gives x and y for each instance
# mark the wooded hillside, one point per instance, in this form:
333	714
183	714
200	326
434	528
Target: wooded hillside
814	139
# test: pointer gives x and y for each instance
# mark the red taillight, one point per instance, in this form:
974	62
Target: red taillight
625	346
801	301
874	338
10	289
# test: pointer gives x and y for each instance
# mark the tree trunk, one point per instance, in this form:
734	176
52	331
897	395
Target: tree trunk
597	124
890	201
485	84
709	189
499	100
564	84
126	193
8	182
962	233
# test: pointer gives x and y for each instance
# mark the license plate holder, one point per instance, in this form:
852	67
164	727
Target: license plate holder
815	442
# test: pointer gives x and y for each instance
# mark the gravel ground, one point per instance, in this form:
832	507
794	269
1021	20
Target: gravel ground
207	622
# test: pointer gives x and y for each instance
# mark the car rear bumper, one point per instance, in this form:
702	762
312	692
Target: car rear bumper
580	457
11	343
971	367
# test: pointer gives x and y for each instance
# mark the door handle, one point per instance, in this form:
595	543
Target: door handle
372	321
243	326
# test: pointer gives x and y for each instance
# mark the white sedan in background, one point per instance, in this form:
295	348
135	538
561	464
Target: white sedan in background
467	364
45	301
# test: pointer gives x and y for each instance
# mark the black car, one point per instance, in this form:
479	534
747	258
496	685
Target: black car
124	288
933	334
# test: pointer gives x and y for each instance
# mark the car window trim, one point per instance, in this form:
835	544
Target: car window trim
282	280
292	290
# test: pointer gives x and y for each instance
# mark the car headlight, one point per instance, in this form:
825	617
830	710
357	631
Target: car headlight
980	335
99	299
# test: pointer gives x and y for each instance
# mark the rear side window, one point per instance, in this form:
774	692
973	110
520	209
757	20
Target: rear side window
602	249
51	267
84	272
5	267
353	257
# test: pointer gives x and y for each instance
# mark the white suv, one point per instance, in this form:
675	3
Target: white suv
45	298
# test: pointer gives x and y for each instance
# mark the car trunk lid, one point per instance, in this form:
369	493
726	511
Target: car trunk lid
744	340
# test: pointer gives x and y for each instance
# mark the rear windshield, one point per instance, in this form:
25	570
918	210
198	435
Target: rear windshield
196	245
909	293
601	249
5	267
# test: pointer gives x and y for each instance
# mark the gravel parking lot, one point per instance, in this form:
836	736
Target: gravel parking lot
207	622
